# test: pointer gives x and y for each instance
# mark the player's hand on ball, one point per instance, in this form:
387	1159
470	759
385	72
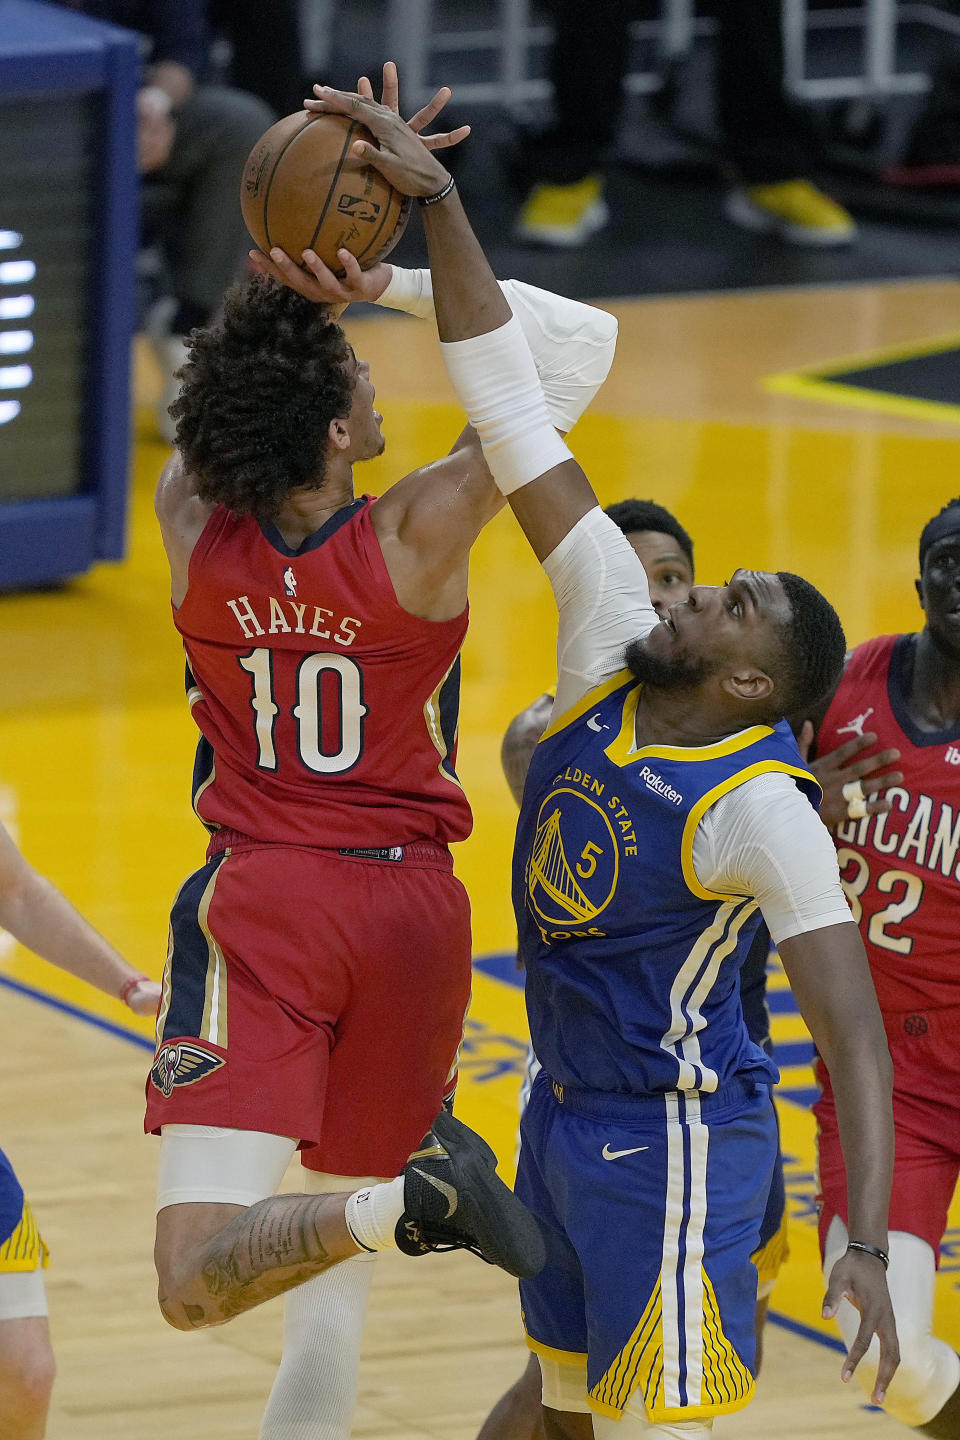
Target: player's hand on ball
317	282
400	155
862	1280
841	766
390	97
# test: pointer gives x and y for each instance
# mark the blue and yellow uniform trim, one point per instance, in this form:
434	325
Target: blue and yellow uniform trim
22	1247
25	1249
686	1178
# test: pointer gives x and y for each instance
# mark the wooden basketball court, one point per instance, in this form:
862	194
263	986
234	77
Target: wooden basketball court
96	744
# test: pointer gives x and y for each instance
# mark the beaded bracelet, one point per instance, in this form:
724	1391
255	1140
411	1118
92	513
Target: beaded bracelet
131	985
440	195
873	1250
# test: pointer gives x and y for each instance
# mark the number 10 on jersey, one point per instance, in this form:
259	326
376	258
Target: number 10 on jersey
309	710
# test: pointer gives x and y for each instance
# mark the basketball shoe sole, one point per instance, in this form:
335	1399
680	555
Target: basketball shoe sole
455	1200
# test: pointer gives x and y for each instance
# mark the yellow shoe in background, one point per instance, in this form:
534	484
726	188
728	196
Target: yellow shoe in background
793	210
563	215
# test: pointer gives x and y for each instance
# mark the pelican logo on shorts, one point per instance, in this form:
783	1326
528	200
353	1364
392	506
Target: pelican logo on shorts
182	1062
569	881
359	208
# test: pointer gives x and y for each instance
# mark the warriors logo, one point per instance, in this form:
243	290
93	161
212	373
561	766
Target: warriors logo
575	862
182	1062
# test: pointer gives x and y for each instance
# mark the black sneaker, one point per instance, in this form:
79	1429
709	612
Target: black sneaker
456	1201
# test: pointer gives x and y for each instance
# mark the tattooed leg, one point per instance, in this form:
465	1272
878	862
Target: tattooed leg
216	1261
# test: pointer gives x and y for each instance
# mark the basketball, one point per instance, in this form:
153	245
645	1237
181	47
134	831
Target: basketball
303	189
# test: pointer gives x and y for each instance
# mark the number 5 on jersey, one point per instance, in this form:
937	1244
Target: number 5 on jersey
309	710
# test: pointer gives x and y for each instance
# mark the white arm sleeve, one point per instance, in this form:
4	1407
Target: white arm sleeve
572	343
603	600
766	840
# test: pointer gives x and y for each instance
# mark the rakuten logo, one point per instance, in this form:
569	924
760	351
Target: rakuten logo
16	305
657	783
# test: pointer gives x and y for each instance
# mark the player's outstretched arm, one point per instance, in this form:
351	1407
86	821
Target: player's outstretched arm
830	978
494	373
41	918
572	343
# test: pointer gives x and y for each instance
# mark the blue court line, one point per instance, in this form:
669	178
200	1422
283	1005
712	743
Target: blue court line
796	1327
78	1013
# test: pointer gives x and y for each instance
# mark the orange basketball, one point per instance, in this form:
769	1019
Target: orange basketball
303	189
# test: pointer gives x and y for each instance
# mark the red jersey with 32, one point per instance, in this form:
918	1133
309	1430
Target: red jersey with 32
901	871
328	713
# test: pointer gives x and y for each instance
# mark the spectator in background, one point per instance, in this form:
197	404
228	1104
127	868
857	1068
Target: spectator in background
192	141
769	143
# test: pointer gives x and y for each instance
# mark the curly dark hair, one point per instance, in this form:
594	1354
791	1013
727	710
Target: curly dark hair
634	515
260	388
811	647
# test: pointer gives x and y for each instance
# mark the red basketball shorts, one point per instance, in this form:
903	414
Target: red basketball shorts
925	1049
316	996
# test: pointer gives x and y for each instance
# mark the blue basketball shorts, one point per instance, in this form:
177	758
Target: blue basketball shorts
651	1208
21	1247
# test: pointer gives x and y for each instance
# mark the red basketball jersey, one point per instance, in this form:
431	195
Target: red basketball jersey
901	871
328	713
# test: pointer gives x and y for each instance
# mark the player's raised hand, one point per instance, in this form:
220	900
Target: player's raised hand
390	97
862	1280
316	281
399	155
842	768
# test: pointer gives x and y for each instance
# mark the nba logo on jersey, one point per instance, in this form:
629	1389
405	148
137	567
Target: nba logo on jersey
289	581
952	756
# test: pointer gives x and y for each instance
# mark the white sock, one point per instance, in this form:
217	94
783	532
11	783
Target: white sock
373	1212
315	1390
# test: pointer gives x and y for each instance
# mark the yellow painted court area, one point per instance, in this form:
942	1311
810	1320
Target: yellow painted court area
96	749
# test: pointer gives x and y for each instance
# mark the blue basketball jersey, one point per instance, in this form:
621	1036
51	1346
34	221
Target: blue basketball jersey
632	965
